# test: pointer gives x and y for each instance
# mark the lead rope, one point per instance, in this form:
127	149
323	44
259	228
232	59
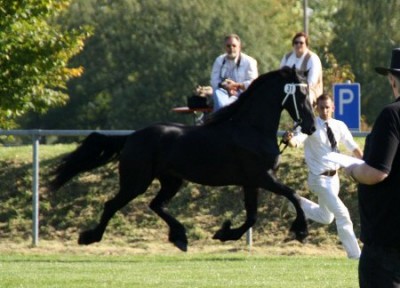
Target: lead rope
287	143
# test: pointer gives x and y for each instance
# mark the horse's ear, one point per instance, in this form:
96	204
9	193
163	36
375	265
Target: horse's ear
302	75
296	72
286	71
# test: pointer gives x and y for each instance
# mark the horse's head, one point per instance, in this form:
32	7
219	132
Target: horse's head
296	101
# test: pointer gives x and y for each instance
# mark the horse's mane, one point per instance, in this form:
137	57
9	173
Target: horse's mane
227	112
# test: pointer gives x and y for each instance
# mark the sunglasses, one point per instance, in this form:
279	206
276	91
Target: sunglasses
230	45
298	42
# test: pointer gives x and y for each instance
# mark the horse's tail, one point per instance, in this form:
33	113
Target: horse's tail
95	151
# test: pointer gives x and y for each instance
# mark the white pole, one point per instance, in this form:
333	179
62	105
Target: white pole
249	238
35	191
305	16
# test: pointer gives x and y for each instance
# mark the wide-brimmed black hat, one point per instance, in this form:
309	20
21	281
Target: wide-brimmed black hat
394	64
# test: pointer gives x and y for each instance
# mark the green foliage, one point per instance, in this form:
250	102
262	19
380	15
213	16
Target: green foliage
366	31
145	57
34	54
333	72
321	23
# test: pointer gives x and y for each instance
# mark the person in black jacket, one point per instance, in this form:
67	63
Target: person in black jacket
379	192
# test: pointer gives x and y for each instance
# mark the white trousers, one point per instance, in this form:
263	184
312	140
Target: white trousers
330	207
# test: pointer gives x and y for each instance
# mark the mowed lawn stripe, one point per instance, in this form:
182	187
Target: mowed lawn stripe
176	271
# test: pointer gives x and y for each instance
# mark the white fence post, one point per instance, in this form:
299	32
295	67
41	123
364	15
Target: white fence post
249	238
35	191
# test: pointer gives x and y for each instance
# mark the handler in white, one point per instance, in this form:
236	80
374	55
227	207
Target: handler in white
323	179
231	73
305	60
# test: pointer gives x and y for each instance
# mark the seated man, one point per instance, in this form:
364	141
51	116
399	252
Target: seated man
232	73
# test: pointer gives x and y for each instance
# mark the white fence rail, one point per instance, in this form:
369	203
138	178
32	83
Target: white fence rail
37	133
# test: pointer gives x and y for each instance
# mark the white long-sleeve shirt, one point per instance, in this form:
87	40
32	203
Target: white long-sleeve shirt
317	144
243	69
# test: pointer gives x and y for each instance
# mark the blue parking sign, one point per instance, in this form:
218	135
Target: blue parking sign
347	98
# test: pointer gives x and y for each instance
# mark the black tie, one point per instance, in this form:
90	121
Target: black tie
331	137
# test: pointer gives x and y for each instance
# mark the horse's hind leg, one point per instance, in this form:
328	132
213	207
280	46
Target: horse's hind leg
251	203
128	191
299	225
177	232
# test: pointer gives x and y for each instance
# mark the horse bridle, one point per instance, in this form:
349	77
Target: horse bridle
290	90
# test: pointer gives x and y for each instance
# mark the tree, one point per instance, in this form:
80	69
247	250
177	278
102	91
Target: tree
366	31
145	57
34	55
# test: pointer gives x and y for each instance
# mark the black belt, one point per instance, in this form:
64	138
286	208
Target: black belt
329	173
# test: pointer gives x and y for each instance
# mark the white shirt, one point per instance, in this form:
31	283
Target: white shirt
314	68
317	144
224	68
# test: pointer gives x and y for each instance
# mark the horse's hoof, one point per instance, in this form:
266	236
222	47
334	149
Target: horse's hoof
178	238
181	245
301	236
87	237
291	237
222	233
218	236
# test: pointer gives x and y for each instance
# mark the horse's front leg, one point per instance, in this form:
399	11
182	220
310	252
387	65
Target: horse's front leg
250	201
299	225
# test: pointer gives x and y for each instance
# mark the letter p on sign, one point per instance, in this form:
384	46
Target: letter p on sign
347	103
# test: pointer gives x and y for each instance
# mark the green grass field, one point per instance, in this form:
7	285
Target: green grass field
199	270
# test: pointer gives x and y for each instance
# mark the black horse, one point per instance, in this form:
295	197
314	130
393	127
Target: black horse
236	146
